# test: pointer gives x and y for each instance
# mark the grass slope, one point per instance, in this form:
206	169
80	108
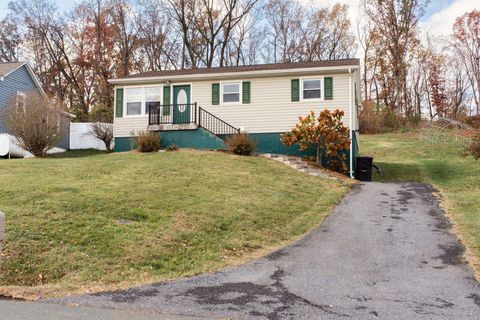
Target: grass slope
89	221
403	157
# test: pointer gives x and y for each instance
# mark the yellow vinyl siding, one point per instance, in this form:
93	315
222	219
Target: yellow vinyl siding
124	126
270	108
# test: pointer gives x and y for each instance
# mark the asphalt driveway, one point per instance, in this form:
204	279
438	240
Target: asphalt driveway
384	253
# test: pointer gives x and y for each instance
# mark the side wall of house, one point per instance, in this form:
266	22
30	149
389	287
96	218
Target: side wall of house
270	109
18	80
65	123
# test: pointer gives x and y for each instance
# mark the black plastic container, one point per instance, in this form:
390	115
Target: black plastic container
364	168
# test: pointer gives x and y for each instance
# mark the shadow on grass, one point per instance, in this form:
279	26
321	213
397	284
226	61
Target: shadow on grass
399	172
76	154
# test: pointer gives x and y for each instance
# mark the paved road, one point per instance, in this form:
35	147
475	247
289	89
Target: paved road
19	310
384	253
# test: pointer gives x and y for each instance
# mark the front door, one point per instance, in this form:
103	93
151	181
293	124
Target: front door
181	104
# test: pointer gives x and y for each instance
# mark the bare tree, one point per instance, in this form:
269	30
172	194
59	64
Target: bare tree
206	27
36	122
52	34
395	23
126	35
300	33
104	132
155	29
284	18
458	87
466	41
327	34
10	40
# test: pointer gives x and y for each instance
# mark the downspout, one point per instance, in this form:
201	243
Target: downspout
350	102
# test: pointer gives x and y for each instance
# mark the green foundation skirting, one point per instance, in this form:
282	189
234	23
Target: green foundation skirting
202	139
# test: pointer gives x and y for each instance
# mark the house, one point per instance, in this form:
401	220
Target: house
198	108
17	79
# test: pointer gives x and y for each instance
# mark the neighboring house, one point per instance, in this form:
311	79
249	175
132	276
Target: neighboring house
199	108
17	79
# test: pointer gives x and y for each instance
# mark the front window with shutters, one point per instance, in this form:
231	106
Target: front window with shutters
138	100
311	89
133	101
230	93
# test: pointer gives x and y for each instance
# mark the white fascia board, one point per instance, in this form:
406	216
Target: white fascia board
34	77
239	74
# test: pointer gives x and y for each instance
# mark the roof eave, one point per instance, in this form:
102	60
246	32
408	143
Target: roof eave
208	76
31	73
35	79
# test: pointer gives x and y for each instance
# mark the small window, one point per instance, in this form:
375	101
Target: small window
133	101
312	89
152	98
21	100
230	92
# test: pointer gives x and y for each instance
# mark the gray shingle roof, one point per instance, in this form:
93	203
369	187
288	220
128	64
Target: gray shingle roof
273	66
7	67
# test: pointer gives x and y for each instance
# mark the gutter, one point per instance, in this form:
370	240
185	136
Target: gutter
350	104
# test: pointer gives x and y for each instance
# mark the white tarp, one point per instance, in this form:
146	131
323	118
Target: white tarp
9	146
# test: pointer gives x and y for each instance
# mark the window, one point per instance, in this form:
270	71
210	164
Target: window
152	98
21	100
133	101
312	89
230	92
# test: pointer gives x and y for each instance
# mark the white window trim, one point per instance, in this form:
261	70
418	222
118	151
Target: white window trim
143	114
239	93
322	86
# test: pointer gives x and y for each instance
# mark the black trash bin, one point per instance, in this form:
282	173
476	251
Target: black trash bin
364	168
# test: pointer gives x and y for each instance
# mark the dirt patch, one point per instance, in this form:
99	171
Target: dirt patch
452	254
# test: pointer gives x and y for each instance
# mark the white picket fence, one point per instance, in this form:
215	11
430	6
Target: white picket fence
80	137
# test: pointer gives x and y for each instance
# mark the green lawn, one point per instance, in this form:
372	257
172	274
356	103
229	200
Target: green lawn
91	221
403	157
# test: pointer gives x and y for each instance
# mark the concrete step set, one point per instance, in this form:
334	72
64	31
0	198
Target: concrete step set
298	164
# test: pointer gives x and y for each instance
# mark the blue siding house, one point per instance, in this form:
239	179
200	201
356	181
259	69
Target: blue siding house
18	78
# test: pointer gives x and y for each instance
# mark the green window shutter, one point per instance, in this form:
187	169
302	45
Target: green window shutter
215	93
328	88
119	103
295	90
166	100
246	91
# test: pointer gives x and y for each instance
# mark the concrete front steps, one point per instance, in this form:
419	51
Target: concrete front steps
299	164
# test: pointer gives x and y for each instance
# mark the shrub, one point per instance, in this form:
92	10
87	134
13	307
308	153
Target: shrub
104	132
472	148
241	144
375	119
148	141
36	122
327	133
473	121
172	147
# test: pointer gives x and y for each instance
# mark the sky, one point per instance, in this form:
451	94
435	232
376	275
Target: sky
438	20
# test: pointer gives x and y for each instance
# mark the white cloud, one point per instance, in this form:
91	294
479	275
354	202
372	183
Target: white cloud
440	24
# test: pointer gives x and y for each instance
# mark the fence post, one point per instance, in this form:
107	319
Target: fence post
2	231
